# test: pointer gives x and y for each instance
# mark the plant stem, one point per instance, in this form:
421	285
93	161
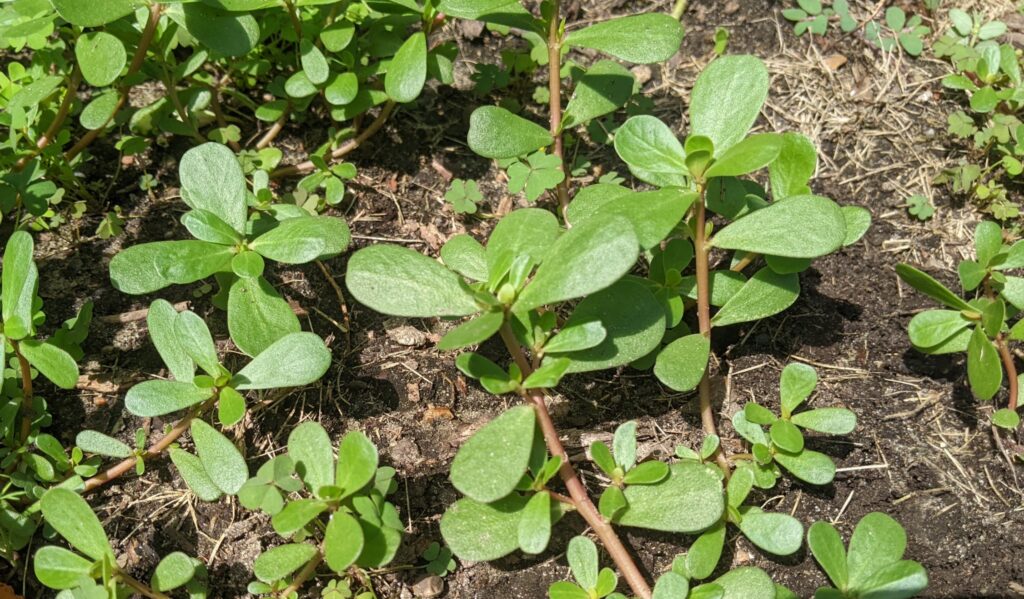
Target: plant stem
744	262
275	129
305	167
139	587
679	9
303	575
137	60
58	120
26	393
154	450
555	101
577	492
1011	370
701	253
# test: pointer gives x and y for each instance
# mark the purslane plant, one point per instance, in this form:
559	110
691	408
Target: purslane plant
232	246
517	287
184	342
91	570
517	142
981	324
29	458
337	515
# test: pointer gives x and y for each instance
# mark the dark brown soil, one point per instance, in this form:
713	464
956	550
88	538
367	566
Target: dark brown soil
922	451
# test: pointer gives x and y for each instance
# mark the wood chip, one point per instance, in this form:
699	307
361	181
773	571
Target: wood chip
437	412
834	62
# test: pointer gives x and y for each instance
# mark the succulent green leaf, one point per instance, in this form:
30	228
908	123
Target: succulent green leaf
582	557
310	448
294	360
357	462
408	69
706	551
161	321
746	156
612	502
74	520
94	14
535	524
604	88
932	327
258	316
97	443
296	515
195	337
207	226
799	227
278	562
898	580
576	338
682	363
646	473
688	501
833	421
53	362
490	464
548	375
984	370
602	456
466	256
100	56
786	436
652	152
750	431
723	285
633	319
247	265
509	13
930	287
726	99
150	267
220	457
590	257
230	407
763	295
491	376
402	282
795	385
858	221
173	571
212	180
653	214
671	585
988	240
566	590
809	466
497	133
343	542
779	534
471	332
224	33
530	232
156	398
58	568
877	542
195	475
18	281
304	239
1006	418
646	38
483	531
624	445
827	547
790	172
746	583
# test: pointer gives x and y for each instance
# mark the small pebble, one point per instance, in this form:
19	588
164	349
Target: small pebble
431	586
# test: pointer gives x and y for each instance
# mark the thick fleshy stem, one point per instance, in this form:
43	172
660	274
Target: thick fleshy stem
701	253
577	492
58	120
555	101
26	393
305	574
140	587
1011	370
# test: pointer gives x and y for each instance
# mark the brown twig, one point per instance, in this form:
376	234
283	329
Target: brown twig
577	492
701	253
351	145
140	56
555	102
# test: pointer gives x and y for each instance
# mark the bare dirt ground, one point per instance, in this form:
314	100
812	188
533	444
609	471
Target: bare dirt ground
922	451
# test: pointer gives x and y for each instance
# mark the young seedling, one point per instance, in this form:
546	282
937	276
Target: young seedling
231	246
496	132
336	515
899	32
91	570
981	324
440	559
811	16
872	567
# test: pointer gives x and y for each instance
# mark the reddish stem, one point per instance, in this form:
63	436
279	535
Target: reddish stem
26	393
1011	370
577	492
58	120
555	102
